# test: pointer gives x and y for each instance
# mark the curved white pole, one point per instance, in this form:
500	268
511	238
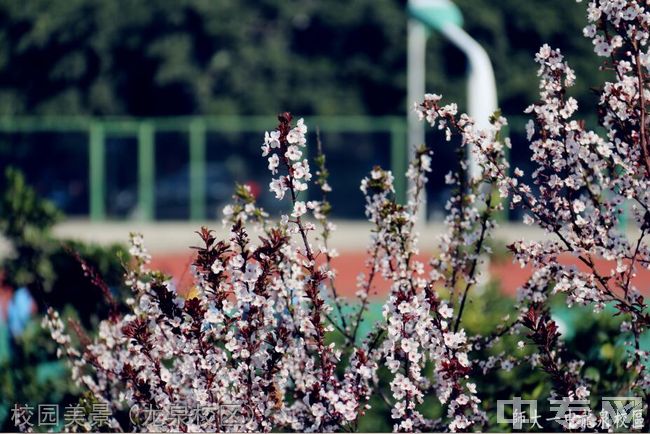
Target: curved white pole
481	86
416	62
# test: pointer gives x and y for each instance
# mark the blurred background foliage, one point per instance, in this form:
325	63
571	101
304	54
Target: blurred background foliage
46	265
53	277
230	57
335	57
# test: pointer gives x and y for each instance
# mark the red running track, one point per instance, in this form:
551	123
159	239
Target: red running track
350	264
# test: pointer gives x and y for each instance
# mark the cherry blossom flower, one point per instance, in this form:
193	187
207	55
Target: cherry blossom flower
299	208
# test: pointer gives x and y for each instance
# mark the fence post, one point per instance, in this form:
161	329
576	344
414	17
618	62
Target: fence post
398	163
97	171
146	171
197	132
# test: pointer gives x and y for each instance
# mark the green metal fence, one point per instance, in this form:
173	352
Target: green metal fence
144	130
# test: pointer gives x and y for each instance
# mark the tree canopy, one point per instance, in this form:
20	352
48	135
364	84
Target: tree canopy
181	57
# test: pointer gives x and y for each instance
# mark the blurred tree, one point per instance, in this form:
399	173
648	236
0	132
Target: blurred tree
47	266
44	265
168	57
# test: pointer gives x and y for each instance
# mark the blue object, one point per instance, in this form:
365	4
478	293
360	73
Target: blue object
19	311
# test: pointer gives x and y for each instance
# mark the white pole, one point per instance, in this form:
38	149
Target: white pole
444	16
481	100
416	58
481	86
